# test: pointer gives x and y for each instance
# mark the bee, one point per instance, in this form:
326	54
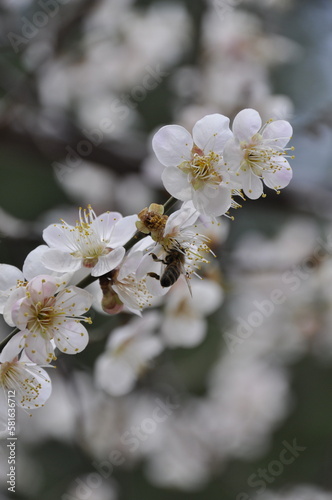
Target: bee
174	262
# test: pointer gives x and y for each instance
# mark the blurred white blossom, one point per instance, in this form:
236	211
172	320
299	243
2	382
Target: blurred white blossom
184	322
128	354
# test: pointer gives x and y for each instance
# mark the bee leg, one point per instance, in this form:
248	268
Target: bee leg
154	275
155	258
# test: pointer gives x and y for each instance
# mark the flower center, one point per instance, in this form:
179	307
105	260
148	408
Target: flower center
42	316
14	375
202	168
5	369
91	259
87	243
259	157
89	247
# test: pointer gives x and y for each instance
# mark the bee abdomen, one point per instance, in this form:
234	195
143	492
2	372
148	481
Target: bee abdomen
170	276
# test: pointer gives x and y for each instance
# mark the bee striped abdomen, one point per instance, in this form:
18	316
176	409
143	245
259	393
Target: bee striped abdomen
174	262
170	275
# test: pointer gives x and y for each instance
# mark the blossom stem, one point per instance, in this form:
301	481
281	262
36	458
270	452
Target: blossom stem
170	204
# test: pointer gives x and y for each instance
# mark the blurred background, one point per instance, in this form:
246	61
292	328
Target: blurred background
245	409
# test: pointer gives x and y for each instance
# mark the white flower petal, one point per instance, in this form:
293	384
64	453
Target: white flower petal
38	349
126	296
19	313
212	201
3	300
33	265
130	264
129	349
9	276
181	218
108	262
207	296
41	287
114	375
15	296
37	390
123	230
133	328
233	155
132	309
74	301
71	337
119	336
142	245
60	261
192	213
280	178
246	124
146	265
211	133
277	133
251	184
183	331
172	145
149	323
154	286
12	348
60	236
149	347
176	183
104	224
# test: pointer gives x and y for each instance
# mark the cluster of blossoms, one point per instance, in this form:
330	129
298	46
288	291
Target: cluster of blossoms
128	262
215	163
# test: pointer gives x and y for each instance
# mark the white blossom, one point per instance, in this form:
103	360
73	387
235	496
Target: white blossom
47	312
195	167
184	323
94	242
31	383
248	397
257	154
128	353
11	277
181	460
123	290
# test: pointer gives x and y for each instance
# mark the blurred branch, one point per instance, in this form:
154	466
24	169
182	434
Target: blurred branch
196	10
313	200
54	149
72	22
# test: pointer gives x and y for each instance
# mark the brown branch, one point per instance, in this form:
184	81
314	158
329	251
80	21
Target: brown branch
52	149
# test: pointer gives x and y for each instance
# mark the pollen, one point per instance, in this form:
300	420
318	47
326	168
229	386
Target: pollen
152	221
202	169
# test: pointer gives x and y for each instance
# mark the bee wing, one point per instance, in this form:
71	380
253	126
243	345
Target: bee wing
186	276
